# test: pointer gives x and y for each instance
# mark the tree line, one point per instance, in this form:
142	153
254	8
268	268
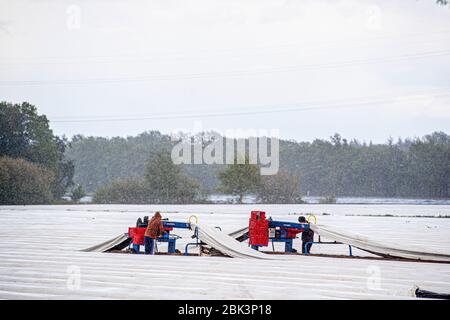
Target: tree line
165	182
37	166
417	167
162	182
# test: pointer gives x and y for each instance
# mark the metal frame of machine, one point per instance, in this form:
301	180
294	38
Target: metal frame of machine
350	251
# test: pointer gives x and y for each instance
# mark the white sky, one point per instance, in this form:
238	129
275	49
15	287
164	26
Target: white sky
365	69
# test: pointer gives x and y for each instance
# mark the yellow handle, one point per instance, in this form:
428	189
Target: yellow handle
314	216
193	216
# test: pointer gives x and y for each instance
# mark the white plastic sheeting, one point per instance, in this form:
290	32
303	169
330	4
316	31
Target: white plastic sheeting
108	245
383	249
36	267
238	233
228	245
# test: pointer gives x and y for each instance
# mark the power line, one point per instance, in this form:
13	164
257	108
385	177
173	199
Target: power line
258	48
297	107
182	57
236	73
436	92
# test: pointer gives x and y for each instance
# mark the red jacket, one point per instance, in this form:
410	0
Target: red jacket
155	227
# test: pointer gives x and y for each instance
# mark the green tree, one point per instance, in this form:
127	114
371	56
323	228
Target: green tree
25	134
167	182
99	161
78	193
280	188
430	164
23	182
164	182
130	191
240	179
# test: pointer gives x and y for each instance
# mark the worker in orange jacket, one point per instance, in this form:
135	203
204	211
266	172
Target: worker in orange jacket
154	230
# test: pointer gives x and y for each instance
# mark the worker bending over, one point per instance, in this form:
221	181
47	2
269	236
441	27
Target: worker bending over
154	230
307	236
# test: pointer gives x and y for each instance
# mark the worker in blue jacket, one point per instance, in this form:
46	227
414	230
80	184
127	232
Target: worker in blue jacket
307	236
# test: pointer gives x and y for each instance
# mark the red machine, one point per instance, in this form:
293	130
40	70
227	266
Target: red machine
262	230
258	229
137	234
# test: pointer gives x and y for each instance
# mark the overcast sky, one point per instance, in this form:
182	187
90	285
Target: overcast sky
365	69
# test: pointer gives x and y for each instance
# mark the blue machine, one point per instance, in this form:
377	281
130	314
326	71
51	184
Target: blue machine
171	239
282	231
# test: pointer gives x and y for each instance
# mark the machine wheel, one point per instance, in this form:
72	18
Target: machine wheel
142	224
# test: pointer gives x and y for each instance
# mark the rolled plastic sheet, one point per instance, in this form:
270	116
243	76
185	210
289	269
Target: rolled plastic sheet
375	247
118	241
